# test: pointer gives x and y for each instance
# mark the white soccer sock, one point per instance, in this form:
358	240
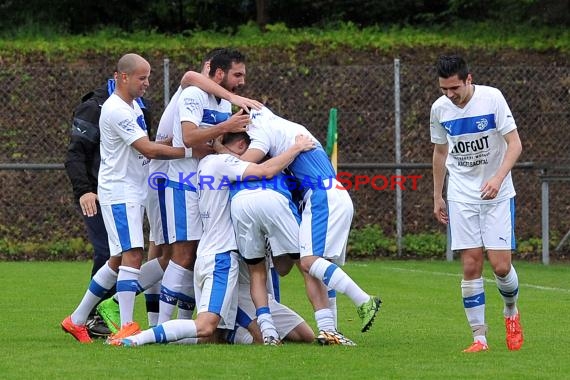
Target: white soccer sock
171	286
186	341
127	288
325	320
241	336
335	278
265	322
509	288
332	306
473	294
169	331
187	301
151	273
99	285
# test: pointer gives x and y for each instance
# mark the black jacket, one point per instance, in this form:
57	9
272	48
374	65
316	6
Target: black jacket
83	157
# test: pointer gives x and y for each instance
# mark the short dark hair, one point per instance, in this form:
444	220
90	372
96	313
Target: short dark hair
209	55
450	65
224	60
232	137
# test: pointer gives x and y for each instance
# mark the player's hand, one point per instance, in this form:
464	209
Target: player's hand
218	146
88	203
238	122
202	150
304	143
491	188
440	211
245	103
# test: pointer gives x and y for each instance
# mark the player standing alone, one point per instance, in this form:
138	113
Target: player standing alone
476	138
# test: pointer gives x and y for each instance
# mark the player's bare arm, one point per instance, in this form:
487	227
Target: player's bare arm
192	78
440	152
276	164
157	151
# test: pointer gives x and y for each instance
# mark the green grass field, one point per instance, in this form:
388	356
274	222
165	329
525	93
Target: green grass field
419	333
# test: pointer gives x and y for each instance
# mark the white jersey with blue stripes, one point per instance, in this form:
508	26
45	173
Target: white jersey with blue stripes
201	109
475	137
124	170
273	135
216	173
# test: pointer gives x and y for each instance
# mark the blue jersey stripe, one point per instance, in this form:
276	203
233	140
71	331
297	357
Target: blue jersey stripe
468	125
213	117
313	166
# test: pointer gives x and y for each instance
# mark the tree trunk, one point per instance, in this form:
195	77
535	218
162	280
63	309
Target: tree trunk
262	13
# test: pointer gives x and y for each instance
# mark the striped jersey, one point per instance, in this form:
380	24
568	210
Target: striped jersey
476	143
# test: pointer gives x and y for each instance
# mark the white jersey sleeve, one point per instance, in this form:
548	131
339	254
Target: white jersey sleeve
215	175
191	105
123	170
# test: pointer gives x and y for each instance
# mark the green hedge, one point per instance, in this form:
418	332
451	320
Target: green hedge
363	243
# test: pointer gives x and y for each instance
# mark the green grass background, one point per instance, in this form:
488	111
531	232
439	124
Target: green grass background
419	333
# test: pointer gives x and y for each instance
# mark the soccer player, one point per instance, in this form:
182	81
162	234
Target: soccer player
216	268
475	137
325	222
264	209
82	165
201	116
122	184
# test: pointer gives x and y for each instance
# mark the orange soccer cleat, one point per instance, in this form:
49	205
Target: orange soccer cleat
515	337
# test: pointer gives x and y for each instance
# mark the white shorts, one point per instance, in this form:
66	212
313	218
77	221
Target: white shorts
156	214
124	225
216	286
257	214
182	214
325	222
489	225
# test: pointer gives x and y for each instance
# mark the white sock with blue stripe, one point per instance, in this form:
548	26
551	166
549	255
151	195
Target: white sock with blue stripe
100	284
473	294
169	331
509	288
335	278
127	288
172	281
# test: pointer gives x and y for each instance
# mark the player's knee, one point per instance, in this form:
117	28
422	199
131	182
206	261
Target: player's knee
502	269
307	334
